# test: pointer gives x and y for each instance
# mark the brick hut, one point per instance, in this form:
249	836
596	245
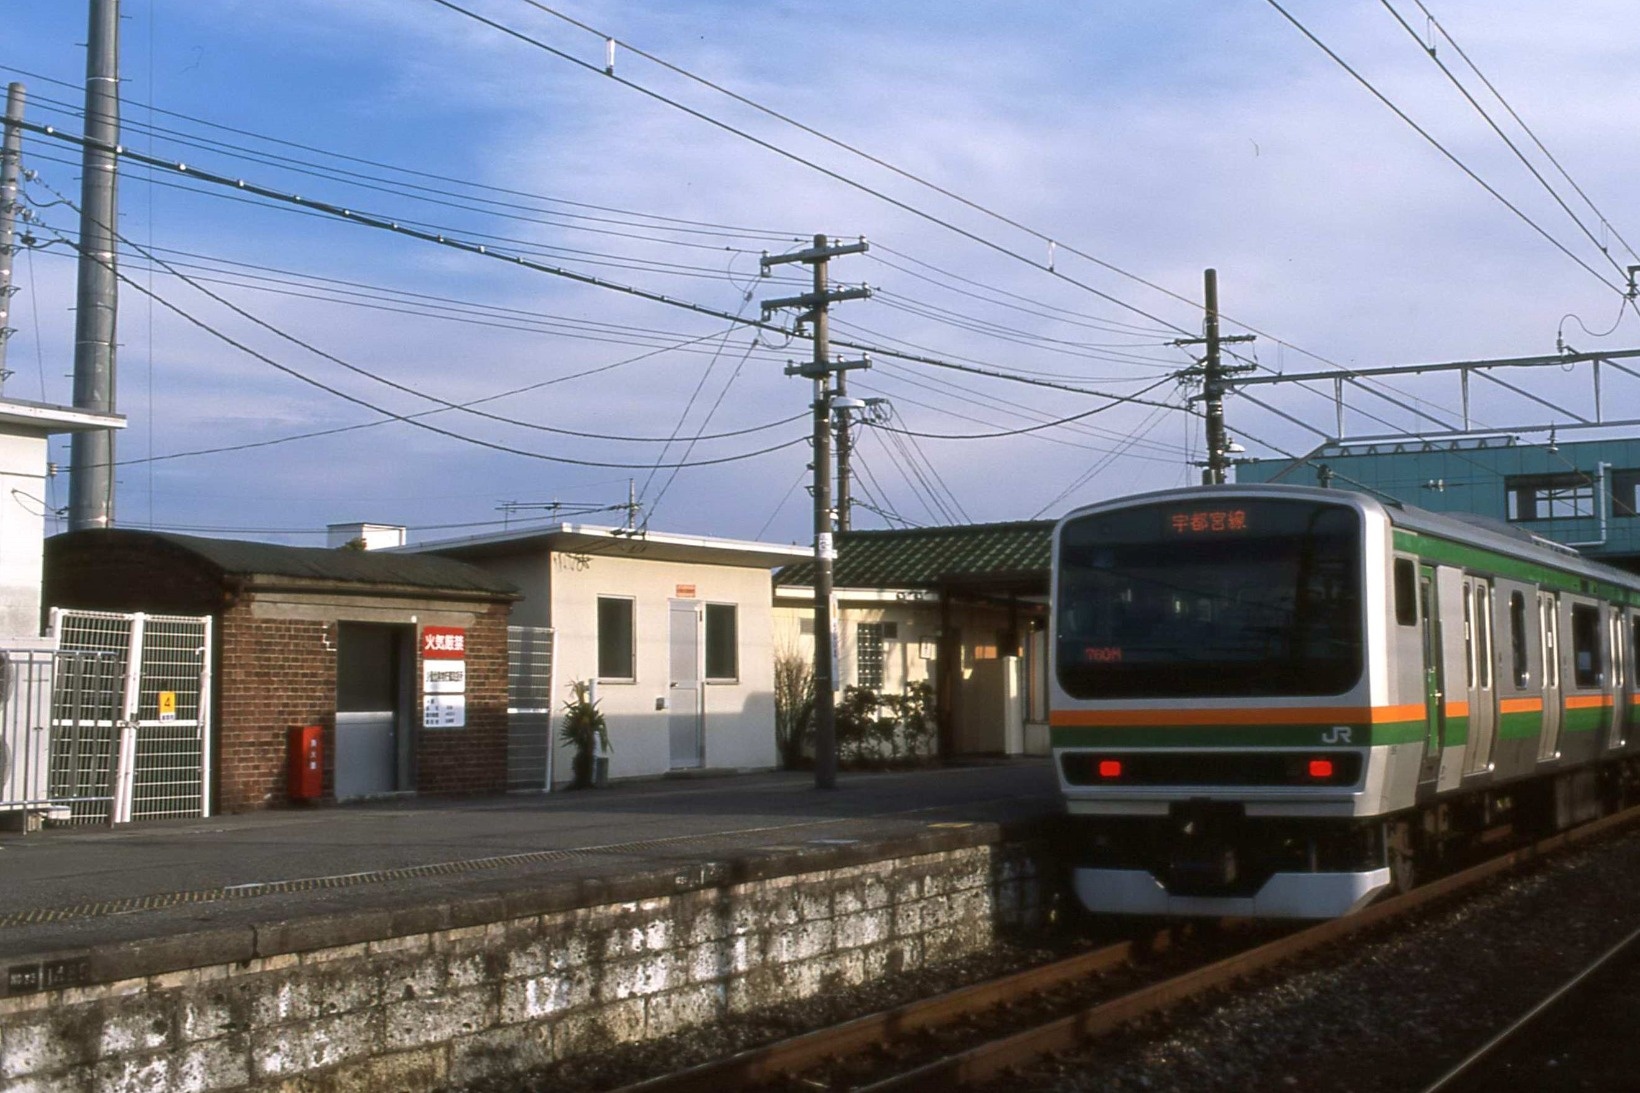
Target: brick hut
400	660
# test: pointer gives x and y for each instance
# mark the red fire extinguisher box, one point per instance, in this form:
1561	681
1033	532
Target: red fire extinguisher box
306	773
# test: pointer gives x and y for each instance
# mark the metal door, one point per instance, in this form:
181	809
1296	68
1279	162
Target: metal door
1549	643
1434	700
368	706
686	714
1483	695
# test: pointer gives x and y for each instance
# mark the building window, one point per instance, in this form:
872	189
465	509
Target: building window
1550	496
1626	493
868	655
722	642
615	638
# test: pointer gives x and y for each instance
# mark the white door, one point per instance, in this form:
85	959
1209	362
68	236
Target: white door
686	714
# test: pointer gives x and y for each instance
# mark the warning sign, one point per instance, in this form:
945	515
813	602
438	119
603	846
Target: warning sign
444	712
167	705
443	643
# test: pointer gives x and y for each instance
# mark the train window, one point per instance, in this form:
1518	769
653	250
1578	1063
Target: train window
1266	601
1634	649
1406	592
1517	638
1588	667
1483	634
1468	637
1551	643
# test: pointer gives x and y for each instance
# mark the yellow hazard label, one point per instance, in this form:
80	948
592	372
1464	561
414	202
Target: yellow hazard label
167	705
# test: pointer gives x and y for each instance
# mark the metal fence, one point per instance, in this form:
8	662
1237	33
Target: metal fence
529	707
130	717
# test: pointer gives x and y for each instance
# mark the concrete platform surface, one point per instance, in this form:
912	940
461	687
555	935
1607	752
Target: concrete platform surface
281	879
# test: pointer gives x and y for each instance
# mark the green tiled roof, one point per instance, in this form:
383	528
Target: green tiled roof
970	554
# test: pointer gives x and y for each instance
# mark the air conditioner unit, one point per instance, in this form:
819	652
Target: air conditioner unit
25	731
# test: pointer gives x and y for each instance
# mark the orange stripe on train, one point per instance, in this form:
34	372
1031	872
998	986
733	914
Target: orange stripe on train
1587	702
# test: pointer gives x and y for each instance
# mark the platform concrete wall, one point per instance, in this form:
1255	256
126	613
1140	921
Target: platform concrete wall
450	1005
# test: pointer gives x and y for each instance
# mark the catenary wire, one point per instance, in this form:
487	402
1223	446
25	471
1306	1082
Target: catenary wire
1479	109
1421	131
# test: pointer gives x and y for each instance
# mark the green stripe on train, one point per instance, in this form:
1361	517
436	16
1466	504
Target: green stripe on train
1234	736
1446	551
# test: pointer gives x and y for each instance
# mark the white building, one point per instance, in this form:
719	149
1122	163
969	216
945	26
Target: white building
675	630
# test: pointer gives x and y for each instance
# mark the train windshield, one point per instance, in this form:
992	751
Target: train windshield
1208	598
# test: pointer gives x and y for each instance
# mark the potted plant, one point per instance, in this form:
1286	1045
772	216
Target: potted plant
585	729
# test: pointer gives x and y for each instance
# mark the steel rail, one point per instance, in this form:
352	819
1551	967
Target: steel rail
989	1060
1525	1022
769	1061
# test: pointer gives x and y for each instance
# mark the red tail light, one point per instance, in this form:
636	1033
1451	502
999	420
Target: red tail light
1110	768
1321	769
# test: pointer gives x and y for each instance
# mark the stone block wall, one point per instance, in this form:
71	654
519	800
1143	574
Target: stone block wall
451	1005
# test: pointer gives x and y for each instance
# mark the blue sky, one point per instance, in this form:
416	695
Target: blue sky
1158	138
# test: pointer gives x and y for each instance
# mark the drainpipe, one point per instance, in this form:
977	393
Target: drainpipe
1602	504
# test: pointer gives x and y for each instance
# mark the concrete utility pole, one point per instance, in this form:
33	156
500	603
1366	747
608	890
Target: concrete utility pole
816	305
1214	376
11	155
845	461
91	466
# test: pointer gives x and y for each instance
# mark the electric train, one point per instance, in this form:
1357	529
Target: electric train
1280	701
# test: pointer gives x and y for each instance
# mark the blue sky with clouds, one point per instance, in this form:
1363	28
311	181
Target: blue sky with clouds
1157	138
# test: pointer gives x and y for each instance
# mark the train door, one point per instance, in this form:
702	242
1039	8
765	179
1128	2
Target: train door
1620	680
1549	642
1631	712
1434	700
1483	696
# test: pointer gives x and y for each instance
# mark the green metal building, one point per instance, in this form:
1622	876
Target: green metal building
1584	494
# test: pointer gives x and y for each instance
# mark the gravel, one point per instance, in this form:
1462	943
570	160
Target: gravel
1389	1011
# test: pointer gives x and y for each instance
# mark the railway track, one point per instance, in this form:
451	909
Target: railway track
1569	1017
978	1033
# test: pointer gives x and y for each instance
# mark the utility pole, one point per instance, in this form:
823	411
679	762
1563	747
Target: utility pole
11	155
816	305
1214	376
91	467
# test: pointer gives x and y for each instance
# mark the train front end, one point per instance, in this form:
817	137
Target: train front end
1214	699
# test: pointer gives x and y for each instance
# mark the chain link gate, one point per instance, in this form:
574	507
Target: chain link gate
130	717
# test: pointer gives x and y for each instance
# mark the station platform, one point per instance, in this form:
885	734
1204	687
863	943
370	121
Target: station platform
159	894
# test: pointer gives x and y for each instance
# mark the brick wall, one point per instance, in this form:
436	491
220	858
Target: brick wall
273	675
471	759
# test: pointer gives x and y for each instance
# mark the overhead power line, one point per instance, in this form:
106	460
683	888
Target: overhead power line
374	221
835	176
1479	109
406	418
1527	129
1052	243
1437	145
